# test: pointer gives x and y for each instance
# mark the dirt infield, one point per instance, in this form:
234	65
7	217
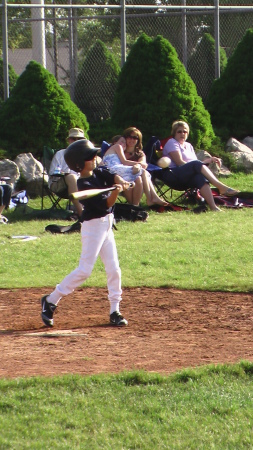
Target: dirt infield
168	330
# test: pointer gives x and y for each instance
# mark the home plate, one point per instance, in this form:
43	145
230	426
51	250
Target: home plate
56	333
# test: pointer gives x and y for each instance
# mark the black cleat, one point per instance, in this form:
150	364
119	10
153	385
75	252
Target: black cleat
47	311
117	319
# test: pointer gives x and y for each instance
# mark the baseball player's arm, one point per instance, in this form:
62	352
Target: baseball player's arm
114	194
125	184
119	188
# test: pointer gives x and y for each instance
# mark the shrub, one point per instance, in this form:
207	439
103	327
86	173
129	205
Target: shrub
154	89
201	66
38	112
103	131
96	83
230	100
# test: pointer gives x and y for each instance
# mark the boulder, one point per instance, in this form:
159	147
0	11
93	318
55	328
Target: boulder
243	155
248	141
10	169
32	171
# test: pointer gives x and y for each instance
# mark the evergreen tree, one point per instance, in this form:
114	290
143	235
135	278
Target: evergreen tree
38	112
96	83
154	89
230	101
201	65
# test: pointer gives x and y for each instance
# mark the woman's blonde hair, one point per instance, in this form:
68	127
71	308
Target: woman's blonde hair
128	132
177	124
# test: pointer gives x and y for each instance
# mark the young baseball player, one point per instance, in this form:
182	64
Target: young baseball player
96	232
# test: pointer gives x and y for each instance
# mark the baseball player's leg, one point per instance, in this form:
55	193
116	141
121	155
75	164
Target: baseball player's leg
110	260
93	233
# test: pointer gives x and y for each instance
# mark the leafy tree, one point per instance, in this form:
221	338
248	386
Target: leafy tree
232	24
201	66
12	79
19	31
38	112
230	101
154	89
96	83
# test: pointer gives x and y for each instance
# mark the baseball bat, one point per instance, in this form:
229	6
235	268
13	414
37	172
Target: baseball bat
87	193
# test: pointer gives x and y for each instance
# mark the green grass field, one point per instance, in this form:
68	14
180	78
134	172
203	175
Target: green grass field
206	408
209	251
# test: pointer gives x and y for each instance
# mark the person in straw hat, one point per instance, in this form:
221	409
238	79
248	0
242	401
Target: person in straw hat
58	184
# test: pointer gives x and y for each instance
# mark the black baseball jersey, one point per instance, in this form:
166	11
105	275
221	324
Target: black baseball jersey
95	207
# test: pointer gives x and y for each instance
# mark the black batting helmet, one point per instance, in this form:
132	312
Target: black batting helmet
78	152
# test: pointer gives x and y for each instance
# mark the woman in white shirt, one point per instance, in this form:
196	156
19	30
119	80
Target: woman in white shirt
186	171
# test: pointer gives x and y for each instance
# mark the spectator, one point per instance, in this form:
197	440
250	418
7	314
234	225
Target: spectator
58	184
5	197
186	171
133	152
115	160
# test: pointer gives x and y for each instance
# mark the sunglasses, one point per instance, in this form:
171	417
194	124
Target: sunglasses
182	131
133	137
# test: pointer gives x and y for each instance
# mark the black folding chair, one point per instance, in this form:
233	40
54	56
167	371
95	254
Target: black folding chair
48	154
153	152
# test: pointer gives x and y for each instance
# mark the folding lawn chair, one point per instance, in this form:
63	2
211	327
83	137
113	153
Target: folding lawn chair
153	152
48	154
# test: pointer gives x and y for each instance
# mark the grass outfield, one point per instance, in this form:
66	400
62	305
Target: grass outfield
210	251
193	409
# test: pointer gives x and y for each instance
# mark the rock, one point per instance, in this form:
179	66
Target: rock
10	169
32	171
248	141
243	155
217	171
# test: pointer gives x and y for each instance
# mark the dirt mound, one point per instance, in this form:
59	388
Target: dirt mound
168	329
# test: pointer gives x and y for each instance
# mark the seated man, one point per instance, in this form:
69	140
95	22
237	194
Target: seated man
5	197
58	184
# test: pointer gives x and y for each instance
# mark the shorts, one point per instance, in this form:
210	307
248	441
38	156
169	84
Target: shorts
57	184
5	195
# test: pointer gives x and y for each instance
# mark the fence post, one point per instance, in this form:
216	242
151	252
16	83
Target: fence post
123	31
5	49
71	53
55	46
38	33
217	38
184	30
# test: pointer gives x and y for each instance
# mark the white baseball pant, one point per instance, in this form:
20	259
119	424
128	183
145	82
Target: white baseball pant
97	240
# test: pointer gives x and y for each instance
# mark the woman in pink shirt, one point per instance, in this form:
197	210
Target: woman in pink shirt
186	171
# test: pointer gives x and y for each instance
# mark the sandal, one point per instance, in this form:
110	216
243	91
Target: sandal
230	192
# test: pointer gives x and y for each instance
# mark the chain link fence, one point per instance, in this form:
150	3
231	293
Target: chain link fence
63	38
